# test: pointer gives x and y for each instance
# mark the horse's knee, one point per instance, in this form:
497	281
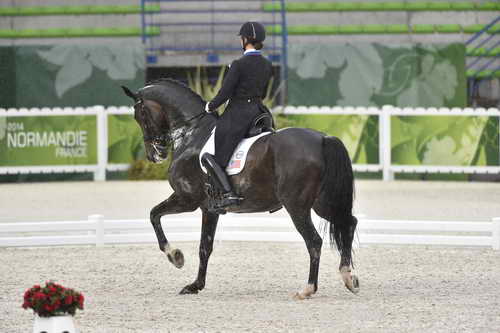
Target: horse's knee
154	216
316	242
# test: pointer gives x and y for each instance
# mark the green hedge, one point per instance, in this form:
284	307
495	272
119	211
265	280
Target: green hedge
380	29
483	52
483	74
382	6
77	32
76	10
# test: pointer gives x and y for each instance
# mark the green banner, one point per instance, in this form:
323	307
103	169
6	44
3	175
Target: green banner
370	74
48	140
445	140
8	76
415	140
69	75
359	133
125	142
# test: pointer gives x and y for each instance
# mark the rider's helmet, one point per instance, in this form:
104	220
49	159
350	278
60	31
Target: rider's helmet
253	31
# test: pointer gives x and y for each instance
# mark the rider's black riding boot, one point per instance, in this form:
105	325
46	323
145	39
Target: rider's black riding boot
229	198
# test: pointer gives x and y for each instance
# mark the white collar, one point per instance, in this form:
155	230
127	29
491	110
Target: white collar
249	50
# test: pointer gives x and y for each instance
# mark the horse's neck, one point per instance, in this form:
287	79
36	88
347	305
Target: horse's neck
193	137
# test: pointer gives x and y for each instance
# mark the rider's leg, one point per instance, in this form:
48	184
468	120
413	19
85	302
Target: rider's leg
221	179
231	129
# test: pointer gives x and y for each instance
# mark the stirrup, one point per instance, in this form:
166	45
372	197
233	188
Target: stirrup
229	199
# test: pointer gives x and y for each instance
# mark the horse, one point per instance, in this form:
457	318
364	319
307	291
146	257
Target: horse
296	168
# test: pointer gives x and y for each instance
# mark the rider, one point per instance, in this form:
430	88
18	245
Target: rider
244	86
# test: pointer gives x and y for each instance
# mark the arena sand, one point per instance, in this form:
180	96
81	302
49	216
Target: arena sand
250	288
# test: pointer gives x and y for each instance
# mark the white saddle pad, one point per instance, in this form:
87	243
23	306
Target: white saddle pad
237	161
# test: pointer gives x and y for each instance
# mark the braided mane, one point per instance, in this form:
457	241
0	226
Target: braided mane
167	81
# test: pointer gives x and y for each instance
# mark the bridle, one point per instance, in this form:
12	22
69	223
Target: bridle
167	138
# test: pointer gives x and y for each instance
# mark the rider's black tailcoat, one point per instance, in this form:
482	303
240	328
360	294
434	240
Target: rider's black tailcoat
244	86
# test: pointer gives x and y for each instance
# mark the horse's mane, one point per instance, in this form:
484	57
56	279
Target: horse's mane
169	82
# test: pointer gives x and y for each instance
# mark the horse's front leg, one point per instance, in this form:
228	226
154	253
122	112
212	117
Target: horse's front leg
173	205
208	227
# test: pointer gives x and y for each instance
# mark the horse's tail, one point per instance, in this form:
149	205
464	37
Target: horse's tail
337	195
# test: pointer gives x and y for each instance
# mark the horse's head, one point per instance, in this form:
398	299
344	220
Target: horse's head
163	109
154	126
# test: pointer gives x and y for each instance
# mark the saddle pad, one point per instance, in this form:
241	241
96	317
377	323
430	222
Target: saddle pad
237	161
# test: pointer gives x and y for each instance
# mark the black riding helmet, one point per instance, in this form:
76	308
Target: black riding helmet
253	31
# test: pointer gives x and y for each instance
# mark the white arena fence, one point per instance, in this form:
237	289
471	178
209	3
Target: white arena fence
98	231
384	117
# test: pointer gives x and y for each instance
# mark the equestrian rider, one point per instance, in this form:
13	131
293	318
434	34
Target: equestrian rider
244	86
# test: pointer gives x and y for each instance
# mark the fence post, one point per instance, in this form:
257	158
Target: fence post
99	228
102	143
385	132
495	244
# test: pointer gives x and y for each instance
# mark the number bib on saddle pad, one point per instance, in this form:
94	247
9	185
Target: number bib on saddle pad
237	161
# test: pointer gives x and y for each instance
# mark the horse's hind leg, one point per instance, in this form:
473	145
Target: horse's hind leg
303	222
208	228
347	228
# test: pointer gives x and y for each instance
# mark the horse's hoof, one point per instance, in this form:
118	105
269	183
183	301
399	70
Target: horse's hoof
353	284
308	291
176	257
351	281
300	297
189	290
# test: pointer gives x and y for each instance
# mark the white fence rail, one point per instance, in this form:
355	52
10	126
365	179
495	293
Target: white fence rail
384	121
98	231
384	115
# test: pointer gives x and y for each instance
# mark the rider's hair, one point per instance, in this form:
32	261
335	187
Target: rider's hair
256	45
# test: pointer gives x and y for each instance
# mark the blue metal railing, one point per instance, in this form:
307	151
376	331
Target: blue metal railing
167	21
213	27
486	40
482	67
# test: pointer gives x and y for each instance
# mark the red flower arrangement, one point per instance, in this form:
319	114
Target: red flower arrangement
52	300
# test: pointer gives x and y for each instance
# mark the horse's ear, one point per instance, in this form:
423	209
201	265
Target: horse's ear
129	93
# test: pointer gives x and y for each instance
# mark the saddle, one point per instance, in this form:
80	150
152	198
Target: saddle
262	123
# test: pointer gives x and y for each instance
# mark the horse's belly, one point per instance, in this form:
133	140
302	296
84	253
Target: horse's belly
257	183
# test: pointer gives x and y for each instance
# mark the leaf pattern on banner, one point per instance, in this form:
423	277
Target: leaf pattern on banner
120	64
77	62
311	61
348	128
3	127
75	71
444	152
458	146
362	64
57	55
125	139
352	135
434	86
399	73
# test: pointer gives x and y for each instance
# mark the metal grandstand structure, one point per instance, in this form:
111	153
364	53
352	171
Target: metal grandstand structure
205	31
485	64
208	28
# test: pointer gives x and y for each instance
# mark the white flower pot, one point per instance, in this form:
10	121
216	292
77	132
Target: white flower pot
56	324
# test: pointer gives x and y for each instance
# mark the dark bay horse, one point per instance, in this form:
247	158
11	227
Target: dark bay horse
296	168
